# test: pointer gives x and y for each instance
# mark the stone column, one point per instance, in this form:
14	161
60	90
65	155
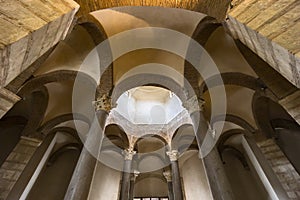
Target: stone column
83	174
125	187
176	181
134	175
218	182
168	176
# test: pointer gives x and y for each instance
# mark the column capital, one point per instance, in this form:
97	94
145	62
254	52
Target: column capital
173	155
103	103
128	154
212	132
194	104
168	175
135	175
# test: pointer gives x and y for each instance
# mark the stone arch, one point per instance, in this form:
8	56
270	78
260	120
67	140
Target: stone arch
94	28
147	80
151	175
66	130
47	126
236	120
65	148
39	98
268	114
201	35
222	147
56	76
160	157
180	135
233	78
98	35
121	136
160	138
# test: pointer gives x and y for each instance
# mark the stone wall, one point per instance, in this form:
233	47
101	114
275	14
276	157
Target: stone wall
286	173
15	163
271	29
28	30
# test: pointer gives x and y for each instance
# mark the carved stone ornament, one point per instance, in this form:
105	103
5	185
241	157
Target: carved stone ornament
103	103
173	155
135	175
168	176
128	154
194	104
212	132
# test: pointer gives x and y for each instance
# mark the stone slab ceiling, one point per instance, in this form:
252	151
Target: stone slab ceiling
27	30
272	30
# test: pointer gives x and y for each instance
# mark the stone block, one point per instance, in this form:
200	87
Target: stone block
270	12
240	8
292	195
279	161
7	100
20	15
42	9
280	24
17	52
13	166
34	46
254	10
282	58
288	39
292	105
24	30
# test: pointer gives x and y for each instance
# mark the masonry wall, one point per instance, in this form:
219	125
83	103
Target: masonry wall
12	168
286	173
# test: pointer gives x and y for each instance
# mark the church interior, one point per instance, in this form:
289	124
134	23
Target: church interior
149	99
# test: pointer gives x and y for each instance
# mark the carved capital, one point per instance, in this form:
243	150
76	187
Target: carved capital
128	154
103	103
135	175
173	155
194	104
168	176
212	132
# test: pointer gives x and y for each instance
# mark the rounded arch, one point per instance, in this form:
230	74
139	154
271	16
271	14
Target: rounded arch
144	156
233	78
146	79
268	114
55	76
236	120
66	130
201	35
150	175
183	138
38	106
115	134
63	149
158	137
94	28
47	126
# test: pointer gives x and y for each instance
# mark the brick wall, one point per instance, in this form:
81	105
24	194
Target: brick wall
15	163
287	175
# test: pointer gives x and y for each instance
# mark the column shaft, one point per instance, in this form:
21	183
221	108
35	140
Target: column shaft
131	191
219	184
170	190
125	188
83	174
